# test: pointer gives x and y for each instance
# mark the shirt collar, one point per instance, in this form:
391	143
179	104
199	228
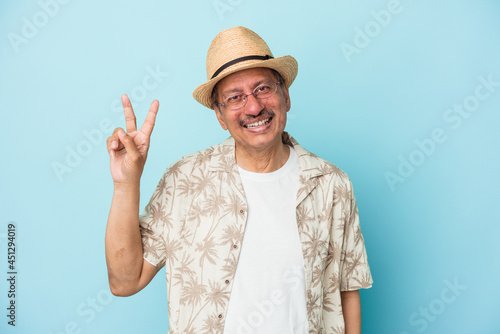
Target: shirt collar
310	164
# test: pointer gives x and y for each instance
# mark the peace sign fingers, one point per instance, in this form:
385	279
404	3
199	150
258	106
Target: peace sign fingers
130	121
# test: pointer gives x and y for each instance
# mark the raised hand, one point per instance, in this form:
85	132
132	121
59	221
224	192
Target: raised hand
128	150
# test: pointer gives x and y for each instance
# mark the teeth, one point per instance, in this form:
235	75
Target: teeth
256	124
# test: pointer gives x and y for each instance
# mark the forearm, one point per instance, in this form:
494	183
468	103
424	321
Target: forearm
124	256
351	308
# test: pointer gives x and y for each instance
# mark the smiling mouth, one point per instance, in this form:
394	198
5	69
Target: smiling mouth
259	123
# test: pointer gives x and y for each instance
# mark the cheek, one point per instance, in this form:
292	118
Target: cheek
221	120
232	122
283	120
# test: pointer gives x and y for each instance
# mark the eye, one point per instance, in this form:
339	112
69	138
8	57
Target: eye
234	98
263	89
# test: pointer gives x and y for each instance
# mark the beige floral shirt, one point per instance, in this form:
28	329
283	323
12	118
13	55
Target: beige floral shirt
194	223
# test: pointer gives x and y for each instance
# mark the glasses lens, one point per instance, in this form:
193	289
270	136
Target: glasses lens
265	90
235	101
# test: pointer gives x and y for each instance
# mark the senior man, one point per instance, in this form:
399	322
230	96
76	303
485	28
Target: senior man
256	234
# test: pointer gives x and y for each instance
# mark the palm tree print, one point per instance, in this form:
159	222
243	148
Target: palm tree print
192	293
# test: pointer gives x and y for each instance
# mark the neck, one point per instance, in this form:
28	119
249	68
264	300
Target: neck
262	161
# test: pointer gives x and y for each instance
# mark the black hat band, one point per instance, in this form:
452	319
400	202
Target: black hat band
238	60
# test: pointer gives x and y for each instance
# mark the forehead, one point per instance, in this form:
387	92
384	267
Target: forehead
245	79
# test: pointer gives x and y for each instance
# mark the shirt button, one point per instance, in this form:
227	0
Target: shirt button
227	281
235	246
220	316
241	211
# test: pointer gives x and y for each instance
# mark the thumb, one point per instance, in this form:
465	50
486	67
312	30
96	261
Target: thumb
129	144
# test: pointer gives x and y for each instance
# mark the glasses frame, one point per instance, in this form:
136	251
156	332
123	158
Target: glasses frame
245	96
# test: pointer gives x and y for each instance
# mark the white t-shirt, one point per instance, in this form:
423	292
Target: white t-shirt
268	294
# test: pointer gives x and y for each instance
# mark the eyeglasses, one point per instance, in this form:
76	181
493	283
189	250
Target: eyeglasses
262	91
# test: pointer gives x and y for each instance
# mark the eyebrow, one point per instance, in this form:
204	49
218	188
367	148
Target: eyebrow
239	90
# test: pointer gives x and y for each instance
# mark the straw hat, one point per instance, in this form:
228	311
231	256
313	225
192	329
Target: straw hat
237	49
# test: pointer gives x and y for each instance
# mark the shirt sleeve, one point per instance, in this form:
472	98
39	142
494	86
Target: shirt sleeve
355	271
152	225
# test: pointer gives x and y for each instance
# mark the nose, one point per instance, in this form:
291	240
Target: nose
253	106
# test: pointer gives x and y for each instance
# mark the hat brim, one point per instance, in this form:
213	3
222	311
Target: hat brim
287	66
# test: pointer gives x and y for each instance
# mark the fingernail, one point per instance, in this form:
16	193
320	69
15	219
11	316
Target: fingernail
121	133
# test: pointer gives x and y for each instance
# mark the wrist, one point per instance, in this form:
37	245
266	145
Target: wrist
127	187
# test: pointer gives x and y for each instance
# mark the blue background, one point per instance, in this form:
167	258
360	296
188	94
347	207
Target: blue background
363	111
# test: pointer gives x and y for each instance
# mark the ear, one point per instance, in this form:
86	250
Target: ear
286	97
220	117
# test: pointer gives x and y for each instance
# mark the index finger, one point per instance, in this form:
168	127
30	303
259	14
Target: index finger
130	122
149	122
